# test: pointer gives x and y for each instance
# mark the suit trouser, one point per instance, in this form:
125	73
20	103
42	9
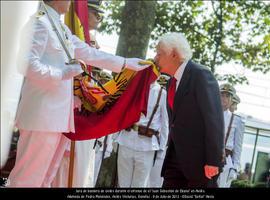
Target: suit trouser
155	179
83	172
133	167
174	176
38	158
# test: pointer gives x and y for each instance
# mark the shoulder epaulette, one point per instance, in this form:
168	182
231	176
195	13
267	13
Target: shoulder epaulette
236	115
240	118
40	13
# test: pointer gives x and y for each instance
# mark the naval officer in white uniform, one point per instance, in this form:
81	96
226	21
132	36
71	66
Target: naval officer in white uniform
46	106
137	147
234	130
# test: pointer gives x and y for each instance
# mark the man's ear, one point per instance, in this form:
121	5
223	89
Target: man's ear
176	56
174	53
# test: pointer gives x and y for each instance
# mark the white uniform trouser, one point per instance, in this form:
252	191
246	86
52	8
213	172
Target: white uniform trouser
134	167
38	158
155	179
224	180
83	172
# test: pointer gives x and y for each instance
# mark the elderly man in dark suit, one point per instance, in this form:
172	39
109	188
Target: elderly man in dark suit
195	143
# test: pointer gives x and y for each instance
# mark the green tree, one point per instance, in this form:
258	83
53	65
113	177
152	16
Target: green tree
235	32
137	19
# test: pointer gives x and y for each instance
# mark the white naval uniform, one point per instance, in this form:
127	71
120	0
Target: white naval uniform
83	171
46	106
136	152
234	143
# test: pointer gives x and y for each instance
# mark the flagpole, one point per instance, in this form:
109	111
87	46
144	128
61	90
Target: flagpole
71	164
72	146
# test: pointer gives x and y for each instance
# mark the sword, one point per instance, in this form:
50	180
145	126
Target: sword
71	60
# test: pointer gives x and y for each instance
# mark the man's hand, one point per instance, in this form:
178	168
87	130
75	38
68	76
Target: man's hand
210	171
115	146
232	174
133	64
77	103
161	154
71	70
107	154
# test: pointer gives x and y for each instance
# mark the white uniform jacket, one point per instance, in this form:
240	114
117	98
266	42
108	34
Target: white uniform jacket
47	101
235	139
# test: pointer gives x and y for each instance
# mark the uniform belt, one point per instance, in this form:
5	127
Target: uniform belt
142	130
228	152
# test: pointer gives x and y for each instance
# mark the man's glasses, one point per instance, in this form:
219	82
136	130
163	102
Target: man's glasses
93	43
98	16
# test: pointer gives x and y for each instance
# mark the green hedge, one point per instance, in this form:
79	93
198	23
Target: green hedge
247	184
241	184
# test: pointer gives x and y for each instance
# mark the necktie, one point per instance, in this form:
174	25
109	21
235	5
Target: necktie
171	92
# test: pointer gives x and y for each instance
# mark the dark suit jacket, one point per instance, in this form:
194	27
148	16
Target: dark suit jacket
196	122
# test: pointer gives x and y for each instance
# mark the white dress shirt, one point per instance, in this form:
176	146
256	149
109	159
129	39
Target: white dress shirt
132	140
179	73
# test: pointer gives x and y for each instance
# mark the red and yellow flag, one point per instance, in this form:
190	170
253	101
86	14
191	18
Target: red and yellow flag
125	112
77	19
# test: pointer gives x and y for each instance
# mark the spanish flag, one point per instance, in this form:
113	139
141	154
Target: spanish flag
125	112
77	19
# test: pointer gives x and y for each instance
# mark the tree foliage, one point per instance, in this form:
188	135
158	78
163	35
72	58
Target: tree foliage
219	32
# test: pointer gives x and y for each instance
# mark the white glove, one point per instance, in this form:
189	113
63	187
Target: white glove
77	103
133	64
71	70
115	146
232	174
107	154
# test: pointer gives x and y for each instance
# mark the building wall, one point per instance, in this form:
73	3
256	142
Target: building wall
14	15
